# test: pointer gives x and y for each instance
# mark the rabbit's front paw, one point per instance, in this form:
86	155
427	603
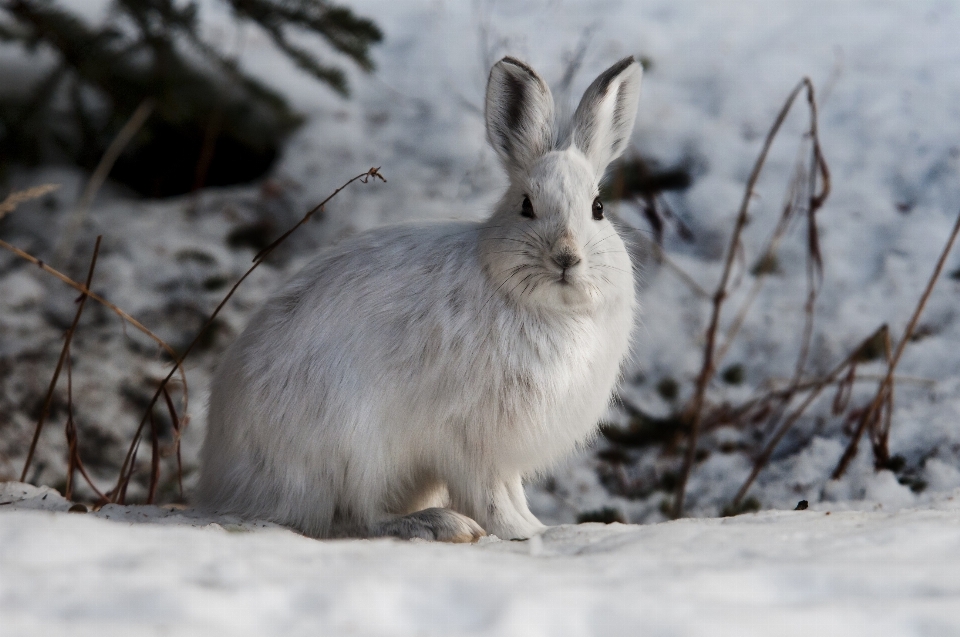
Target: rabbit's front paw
442	525
516	529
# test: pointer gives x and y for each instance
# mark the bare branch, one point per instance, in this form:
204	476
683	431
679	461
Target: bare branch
881	406
126	470
696	405
64	353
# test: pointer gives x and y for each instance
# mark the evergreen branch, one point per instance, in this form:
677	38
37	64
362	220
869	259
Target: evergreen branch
154	49
231	69
332	76
344	31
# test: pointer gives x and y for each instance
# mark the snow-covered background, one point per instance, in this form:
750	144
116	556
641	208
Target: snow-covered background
888	80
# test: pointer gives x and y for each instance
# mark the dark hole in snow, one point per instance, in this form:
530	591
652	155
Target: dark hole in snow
668	388
606	515
167	164
733	375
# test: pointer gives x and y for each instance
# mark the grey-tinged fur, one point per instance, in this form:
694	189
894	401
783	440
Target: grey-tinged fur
409	379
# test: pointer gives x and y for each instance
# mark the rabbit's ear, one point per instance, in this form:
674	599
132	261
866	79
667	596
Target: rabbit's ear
519	112
604	120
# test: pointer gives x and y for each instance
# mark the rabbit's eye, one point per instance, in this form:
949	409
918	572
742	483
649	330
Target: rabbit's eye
527	209
597	209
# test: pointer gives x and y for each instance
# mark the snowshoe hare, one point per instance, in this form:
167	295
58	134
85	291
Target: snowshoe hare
408	379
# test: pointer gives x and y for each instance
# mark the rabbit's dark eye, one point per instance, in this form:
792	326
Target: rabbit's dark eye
527	209
597	209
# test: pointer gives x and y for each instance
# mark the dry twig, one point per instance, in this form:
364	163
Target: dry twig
74	463
696	405
876	417
10	203
99	176
127	469
64	353
70	431
815	389
14	199
661	256
766	265
93	295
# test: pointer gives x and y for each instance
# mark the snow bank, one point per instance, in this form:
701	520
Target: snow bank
813	572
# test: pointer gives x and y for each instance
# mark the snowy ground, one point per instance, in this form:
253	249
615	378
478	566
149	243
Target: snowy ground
888	78
155	572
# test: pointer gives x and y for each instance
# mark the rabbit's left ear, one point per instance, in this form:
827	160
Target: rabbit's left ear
604	120
519	112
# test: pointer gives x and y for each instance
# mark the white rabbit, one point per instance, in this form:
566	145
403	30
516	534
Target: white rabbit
407	380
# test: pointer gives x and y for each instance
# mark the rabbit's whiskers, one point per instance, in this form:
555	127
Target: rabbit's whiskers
513	272
609	236
611	267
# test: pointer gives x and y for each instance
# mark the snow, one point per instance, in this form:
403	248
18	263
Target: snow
818	571
883	561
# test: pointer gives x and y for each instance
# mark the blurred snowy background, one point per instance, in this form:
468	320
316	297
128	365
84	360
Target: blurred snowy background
888	83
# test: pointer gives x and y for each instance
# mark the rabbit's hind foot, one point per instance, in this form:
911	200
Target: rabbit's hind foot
442	525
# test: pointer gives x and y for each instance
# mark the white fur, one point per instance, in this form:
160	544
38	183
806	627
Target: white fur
436	364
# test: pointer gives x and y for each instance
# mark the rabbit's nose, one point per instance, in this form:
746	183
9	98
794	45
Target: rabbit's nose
566	259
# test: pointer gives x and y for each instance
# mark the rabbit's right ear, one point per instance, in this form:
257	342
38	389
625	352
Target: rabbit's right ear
519	112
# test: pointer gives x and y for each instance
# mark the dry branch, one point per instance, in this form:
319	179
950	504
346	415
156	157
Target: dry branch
10	203
70	430
93	295
176	432
881	407
74	462
64	354
661	256
118	494
815	390
696	405
768	259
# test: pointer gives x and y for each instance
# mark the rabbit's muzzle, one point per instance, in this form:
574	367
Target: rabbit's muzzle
565	255
566	259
